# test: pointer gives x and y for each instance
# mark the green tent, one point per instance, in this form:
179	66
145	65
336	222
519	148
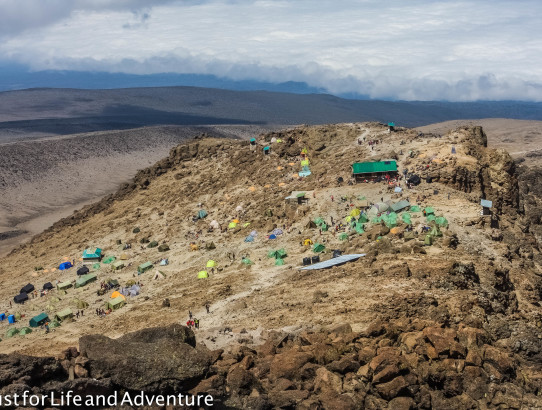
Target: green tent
64	314
390	219
435	231
64	285
109	259
96	266
247	261
163	248
319	221
25	331
430	218
279	262
363	218
92	254
441	221
359	228
343	236
202	213
53	324
202	274
415	208
406	217
12	332
277	254
153	244
39	320
18	316
429	210
117	265
323	227
115	303
144	267
85	280
318	247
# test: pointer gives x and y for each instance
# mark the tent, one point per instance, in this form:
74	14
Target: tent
210	264
249	238
85	279
117	265
163	248
92	255
134	290
214	224
415	208
27	289
279	262
124	256
12	332
318	247
441	221
80	304
96	266
18	316
355	212
53	324
428	240
363	203
65	265
39	320
115	303
83	271
109	259
414	180
164	262
117	294
311	225
232	225
324	227
113	283
272	236
277	231
429	210
152	244
202	274
144	267
343	236
253	141
158	275
246	261
398	206
64	285
359	228
277	254
407	235
363	218
307	242
202	213
20	298
64	314
48	286
25	330
319	221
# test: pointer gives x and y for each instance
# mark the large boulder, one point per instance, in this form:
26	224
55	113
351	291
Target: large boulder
163	358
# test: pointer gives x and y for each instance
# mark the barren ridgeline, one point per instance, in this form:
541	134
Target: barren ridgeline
442	311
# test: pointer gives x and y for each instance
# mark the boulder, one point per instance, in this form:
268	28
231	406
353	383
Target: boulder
288	364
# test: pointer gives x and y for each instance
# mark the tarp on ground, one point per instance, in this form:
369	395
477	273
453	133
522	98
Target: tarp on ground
116	294
202	213
407	235
39	320
318	247
334	261
85	280
144	267
116	303
158	275
64	285
202	274
398	206
363	203
64	314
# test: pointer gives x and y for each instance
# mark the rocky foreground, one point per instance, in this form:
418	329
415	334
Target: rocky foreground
401	364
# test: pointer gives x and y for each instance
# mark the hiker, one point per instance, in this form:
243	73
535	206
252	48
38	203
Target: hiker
207	308
190	314
47	327
97	312
82	312
188	324
77	314
332	199
10	303
196	323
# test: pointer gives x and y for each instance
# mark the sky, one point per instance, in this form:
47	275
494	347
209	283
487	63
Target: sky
395	49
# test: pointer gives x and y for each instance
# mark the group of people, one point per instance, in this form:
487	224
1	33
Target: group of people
102	312
192	322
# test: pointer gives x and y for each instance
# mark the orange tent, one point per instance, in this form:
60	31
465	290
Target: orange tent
116	294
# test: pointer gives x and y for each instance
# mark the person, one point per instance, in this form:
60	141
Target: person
97	312
207	308
196	323
190	314
332	199
47	327
77	314
188	323
10	304
82	312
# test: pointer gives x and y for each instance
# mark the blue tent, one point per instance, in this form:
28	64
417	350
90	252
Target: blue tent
65	265
252	140
249	238
266	150
272	236
202	213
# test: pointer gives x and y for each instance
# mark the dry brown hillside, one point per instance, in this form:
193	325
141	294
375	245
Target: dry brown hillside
482	273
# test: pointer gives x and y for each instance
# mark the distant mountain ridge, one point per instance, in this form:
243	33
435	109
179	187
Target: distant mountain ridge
66	111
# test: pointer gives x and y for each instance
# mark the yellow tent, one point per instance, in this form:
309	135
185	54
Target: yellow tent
210	263
305	163
232	225
123	257
194	247
203	274
116	294
355	212
307	242
348	218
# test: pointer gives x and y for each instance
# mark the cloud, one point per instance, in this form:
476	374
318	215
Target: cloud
416	50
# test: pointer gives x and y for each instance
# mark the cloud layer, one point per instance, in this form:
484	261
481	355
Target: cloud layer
415	50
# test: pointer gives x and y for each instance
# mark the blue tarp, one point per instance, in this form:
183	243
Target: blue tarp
65	265
334	261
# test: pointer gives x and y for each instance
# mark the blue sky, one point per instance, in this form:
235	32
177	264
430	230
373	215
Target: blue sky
396	49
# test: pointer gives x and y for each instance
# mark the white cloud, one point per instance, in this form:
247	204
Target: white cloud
421	49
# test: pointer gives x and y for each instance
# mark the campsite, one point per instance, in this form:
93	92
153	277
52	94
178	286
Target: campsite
321	228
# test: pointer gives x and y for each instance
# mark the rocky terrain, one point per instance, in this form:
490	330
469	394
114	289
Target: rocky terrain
455	324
